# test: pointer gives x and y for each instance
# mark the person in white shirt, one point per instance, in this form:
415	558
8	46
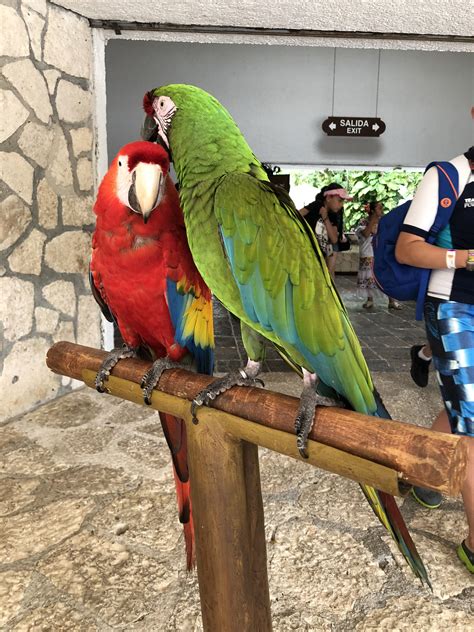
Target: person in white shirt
449	314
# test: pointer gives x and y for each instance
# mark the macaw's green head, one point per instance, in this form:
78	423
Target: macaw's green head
189	122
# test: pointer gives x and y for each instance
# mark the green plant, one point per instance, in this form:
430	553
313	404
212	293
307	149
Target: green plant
387	187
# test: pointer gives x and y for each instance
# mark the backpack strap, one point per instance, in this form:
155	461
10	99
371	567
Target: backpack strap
448	184
448	193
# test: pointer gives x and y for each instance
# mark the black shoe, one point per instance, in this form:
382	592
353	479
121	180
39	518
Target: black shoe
420	369
427	497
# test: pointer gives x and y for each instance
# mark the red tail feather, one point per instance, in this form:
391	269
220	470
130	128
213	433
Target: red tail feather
175	434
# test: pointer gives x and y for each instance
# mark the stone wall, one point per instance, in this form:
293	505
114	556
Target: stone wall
46	196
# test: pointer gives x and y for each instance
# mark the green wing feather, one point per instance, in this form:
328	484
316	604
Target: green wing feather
285	288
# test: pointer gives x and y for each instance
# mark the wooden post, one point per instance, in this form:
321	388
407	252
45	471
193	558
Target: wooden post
229	529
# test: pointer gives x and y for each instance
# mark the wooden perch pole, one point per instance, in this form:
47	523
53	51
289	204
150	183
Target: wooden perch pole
420	456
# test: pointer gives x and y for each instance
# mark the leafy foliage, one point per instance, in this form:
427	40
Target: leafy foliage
387	187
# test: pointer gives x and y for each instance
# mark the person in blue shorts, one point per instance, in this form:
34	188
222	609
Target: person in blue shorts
449	315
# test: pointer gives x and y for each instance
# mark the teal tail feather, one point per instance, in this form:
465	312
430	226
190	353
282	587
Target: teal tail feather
386	509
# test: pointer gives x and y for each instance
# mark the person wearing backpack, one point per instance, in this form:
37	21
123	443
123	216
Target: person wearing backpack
448	307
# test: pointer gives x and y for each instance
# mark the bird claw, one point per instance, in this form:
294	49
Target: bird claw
304	421
221	385
108	364
153	375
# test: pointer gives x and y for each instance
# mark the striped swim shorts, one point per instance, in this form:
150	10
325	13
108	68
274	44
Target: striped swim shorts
450	333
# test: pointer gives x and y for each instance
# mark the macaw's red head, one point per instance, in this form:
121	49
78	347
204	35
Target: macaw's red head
140	170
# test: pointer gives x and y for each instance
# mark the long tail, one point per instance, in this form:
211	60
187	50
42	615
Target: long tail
387	511
175	434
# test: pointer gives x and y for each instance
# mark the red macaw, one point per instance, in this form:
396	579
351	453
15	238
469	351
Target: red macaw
143	276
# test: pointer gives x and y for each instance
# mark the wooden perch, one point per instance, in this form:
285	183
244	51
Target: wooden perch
419	456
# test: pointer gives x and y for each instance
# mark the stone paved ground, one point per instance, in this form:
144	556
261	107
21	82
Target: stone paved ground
386	335
90	539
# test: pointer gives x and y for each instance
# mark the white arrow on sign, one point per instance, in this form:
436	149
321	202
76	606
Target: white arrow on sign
375	127
332	126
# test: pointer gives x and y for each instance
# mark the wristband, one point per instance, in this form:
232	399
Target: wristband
470	261
451	259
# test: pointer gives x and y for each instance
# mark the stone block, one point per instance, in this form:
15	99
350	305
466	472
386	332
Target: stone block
65	331
47	205
84	174
62	296
51	77
20	455
13	585
32	86
46	320
67	42
27	257
14	114
77	211
69	252
37	5
81	140
59	166
15	219
73	103
81	409
17	493
34	24
16	307
417	613
52	524
55	615
35	142
14	41
88	322
17	173
105	564
25	382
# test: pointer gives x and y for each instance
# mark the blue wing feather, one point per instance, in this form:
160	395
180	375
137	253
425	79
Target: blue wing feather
179	304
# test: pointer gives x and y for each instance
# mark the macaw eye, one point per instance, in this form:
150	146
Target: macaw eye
162	104
120	163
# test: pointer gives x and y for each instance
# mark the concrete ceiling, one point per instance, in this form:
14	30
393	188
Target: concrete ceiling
447	18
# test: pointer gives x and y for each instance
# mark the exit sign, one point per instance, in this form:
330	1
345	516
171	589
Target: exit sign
353	126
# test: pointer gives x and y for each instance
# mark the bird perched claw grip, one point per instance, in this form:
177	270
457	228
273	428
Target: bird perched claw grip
304	421
153	375
108	364
221	385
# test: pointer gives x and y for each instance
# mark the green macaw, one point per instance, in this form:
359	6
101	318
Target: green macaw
262	261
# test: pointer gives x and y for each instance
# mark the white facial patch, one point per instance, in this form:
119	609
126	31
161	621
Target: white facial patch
124	180
164	109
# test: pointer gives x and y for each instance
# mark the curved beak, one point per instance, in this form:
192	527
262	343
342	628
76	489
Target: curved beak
152	132
145	191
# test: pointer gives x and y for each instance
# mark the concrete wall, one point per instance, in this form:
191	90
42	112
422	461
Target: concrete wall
392	16
280	95
45	197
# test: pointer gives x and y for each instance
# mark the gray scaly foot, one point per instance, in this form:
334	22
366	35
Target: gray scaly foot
152	376
242	377
309	400
108	364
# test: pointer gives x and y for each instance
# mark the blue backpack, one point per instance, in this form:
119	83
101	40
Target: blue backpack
398	280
